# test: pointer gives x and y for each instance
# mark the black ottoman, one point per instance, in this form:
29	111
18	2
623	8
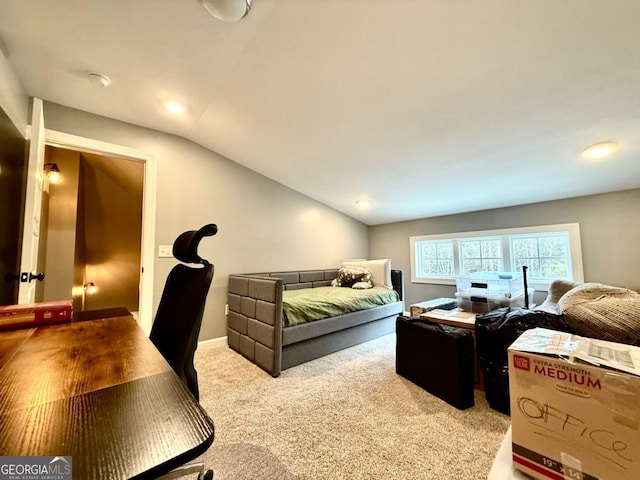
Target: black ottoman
437	358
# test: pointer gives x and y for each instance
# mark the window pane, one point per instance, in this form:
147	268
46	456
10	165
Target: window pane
524	247
445	267
491	265
471	265
445	250
428	266
554	268
470	249
533	265
491	249
553	247
428	249
435	258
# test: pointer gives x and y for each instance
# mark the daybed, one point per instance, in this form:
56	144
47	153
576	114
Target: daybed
257	326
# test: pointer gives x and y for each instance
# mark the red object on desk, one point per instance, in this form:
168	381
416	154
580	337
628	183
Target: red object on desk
34	314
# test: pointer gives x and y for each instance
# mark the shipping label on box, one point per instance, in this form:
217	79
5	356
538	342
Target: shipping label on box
575	407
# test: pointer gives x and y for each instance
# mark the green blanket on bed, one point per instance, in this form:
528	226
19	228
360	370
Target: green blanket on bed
309	304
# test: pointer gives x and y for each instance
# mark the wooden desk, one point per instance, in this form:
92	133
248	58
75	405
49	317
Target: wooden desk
100	392
461	319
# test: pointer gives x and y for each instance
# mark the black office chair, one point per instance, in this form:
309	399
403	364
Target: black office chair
177	323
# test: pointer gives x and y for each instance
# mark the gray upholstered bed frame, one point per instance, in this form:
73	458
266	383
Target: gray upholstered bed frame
255	320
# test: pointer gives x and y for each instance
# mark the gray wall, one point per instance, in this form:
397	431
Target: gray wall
609	230
13	99
263	225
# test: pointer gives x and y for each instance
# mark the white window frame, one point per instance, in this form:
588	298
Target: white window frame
573	230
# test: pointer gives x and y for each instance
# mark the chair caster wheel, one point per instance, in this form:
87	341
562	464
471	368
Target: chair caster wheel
208	475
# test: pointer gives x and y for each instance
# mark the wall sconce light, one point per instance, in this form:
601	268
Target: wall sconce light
227	10
52	173
90	288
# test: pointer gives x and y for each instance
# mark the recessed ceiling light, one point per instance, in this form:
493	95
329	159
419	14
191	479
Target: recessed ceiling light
227	10
99	79
362	203
174	107
599	150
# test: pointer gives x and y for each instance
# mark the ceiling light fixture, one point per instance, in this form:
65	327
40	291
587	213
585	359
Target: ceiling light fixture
174	107
99	79
362	203
227	10
599	150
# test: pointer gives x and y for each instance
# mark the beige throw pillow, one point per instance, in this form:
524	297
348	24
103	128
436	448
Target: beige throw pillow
558	288
380	270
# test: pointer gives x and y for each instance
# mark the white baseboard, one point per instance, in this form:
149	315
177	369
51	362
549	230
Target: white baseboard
215	342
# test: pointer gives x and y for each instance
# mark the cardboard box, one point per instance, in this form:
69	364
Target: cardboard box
575	407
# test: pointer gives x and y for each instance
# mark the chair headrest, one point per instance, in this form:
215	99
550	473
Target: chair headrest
185	248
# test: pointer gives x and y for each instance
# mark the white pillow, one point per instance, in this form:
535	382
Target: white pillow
380	271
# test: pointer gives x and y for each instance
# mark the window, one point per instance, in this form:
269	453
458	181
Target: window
549	252
437	259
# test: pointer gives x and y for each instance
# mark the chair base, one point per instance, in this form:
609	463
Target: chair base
189	469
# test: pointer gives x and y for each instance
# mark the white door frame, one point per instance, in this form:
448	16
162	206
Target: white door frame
36	183
74	142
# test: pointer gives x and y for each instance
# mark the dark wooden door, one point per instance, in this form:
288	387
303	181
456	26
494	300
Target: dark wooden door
12	184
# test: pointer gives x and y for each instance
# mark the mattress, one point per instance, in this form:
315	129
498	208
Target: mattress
309	304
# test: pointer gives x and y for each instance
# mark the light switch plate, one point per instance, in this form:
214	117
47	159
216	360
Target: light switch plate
165	251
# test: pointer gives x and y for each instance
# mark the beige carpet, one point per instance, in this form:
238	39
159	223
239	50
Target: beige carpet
344	416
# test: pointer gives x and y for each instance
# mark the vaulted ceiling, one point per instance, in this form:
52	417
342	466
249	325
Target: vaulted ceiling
422	107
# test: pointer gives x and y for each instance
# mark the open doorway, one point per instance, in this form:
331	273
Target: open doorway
16	171
94	230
